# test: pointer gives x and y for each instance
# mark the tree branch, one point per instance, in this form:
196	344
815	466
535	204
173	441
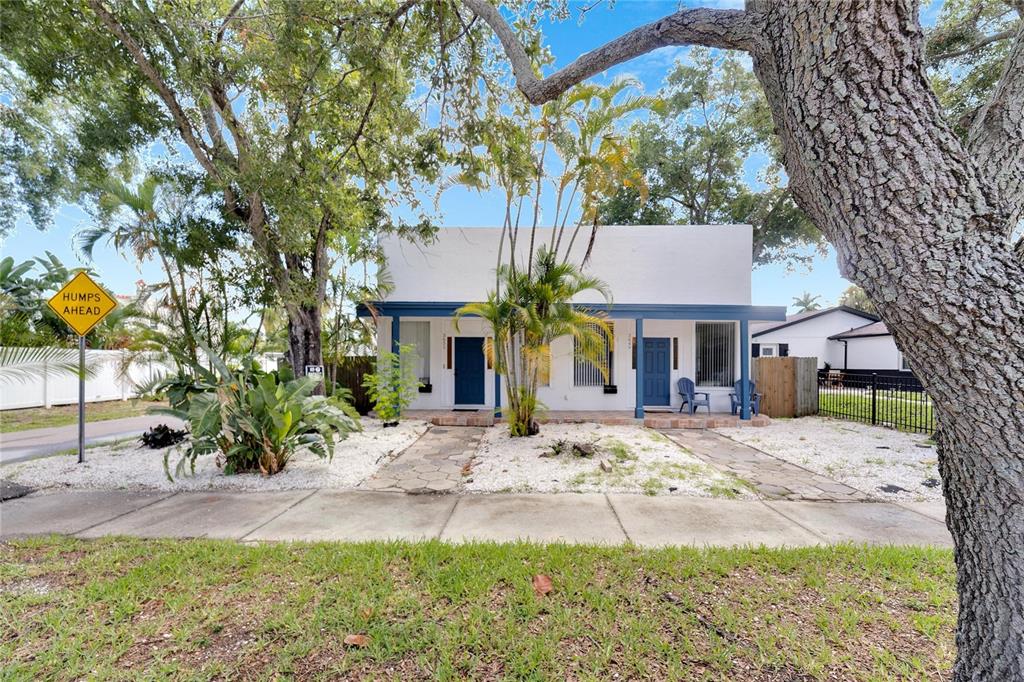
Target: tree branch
974	47
166	93
728	29
227	19
996	139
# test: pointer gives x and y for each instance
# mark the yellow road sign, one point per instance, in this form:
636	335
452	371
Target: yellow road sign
82	303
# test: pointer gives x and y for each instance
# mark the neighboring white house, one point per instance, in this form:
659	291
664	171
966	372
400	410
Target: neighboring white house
843	337
681	308
870	347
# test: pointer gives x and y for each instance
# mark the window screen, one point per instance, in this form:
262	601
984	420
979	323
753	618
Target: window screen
716	353
418	334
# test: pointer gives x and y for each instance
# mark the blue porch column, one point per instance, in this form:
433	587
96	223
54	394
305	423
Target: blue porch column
396	322
744	395
497	394
639	411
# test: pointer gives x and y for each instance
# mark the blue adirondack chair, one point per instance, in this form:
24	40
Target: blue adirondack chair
755	397
689	394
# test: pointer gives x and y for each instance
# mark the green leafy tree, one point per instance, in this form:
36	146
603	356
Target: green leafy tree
806	302
299	115
855	297
393	385
966	50
711	124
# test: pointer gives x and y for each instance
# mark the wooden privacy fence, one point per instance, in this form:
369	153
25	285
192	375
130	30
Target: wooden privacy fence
349	372
788	386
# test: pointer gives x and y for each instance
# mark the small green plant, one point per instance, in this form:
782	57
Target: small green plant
255	420
393	386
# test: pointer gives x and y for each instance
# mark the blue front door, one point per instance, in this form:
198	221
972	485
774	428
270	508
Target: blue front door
656	371
469	370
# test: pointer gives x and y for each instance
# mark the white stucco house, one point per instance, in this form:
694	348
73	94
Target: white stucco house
843	337
681	308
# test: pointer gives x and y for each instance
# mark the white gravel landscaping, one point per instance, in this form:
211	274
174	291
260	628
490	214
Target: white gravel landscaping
641	461
870	458
127	465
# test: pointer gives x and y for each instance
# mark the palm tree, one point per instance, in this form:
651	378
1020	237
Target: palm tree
533	308
806	303
145	235
596	162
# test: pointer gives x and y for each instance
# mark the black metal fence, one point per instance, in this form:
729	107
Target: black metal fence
897	402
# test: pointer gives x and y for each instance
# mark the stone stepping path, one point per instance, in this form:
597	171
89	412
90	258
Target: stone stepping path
431	465
774	478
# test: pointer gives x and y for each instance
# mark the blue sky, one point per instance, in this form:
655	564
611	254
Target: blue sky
772	285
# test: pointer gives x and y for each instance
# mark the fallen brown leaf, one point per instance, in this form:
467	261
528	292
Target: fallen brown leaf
366	612
357	640
542	585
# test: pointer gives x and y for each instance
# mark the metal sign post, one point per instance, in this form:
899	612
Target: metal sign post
82	304
81	399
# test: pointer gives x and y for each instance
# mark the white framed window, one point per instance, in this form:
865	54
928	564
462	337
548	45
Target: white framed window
768	351
716	353
586	373
417	333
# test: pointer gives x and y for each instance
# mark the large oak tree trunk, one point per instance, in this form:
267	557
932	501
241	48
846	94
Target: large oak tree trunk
919	221
304	340
915	222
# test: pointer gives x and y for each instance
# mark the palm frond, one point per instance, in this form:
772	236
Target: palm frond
21	365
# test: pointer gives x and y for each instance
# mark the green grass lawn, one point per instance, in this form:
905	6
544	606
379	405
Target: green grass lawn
62	415
198	609
902	412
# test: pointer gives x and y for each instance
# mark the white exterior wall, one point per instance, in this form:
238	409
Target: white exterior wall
809	338
871	352
442	379
561	394
678	264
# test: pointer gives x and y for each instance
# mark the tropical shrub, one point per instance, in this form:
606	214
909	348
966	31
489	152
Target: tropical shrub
255	420
162	436
393	385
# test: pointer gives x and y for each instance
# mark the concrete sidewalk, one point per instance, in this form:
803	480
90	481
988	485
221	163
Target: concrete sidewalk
573	518
23	445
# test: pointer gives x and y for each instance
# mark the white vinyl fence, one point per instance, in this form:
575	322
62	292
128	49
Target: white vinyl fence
61	388
108	381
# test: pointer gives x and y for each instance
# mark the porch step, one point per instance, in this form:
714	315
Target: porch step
457	419
714	421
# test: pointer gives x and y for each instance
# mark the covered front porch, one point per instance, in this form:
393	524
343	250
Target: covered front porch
651	348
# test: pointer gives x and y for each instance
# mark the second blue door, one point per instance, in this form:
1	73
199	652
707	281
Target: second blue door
469	370
657	377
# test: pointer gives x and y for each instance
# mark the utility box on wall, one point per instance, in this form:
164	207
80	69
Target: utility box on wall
788	386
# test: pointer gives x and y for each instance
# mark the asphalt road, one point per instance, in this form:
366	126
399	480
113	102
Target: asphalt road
33	443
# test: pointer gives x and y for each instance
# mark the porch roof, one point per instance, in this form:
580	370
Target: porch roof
648	311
